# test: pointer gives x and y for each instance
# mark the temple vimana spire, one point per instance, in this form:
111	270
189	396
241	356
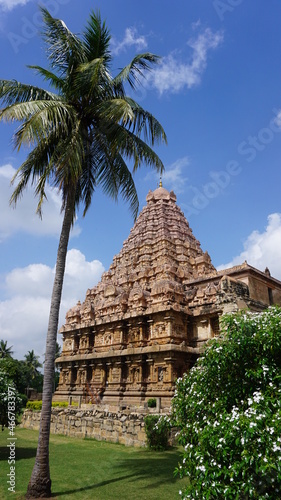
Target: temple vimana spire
146	321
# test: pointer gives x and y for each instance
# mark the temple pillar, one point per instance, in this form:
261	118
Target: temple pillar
150	326
170	370
150	362
75	342
76	375
102	374
118	373
170	321
92	372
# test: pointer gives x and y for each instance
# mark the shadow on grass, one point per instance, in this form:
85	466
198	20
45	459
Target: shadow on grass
139	468
91	487
161	468
21	452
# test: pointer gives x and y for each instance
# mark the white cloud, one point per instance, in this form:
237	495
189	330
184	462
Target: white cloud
24	313
10	4
174	176
23	217
277	119
29	280
174	75
80	275
130	39
263	249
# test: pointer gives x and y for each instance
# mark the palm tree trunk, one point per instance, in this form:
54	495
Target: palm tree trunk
40	482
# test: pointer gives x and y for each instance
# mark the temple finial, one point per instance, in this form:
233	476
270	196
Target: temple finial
160	183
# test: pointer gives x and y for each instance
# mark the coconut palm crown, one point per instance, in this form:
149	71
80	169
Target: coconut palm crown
5	351
81	134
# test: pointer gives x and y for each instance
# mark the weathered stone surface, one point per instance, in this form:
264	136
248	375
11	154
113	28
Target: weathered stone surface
103	425
149	317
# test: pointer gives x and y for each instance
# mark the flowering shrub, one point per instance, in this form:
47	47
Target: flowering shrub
10	400
157	432
228	411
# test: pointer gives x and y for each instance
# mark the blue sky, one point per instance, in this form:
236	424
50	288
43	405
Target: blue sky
217	93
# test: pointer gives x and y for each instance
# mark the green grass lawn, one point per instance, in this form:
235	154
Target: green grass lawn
89	469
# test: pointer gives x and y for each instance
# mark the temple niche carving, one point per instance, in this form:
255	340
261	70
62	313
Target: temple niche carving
146	321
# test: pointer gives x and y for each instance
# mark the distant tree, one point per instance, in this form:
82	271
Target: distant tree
32	363
34	377
228	412
5	351
86	133
16	371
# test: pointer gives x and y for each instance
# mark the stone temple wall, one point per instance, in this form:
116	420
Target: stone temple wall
116	427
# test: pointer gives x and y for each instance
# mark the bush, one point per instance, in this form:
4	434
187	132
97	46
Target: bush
157	432
151	403
228	411
60	404
34	405
37	405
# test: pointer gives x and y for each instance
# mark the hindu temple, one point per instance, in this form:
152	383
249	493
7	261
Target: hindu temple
145	323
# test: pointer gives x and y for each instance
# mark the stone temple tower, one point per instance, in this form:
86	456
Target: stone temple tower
149	317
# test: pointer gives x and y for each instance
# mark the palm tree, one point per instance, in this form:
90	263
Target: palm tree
57	369
32	360
81	136
32	363
5	351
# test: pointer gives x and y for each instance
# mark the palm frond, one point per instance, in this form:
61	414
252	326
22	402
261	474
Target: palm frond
135	70
57	82
64	49
96	39
146	124
132	147
39	119
12	92
87	180
127	185
114	177
69	159
131	115
117	110
34	171
93	80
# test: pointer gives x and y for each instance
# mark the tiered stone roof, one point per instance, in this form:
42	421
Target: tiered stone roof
152	312
151	272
